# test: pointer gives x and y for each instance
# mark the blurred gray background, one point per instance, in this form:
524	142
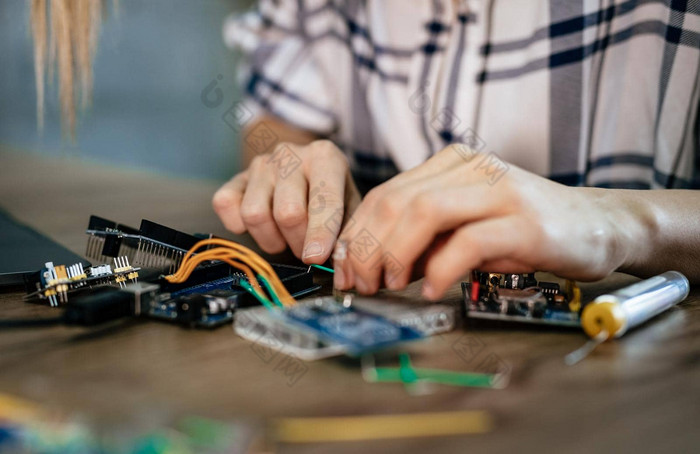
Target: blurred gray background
154	58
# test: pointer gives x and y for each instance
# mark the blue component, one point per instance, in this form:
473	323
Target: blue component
168	311
359	331
223	283
561	315
10	436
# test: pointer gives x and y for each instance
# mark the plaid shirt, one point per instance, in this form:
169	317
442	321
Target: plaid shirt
596	93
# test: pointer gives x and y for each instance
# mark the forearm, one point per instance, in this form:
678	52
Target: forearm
660	230
271	131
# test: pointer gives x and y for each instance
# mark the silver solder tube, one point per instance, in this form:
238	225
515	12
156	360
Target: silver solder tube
617	312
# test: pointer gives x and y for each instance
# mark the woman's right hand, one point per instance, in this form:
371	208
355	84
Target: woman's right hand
298	195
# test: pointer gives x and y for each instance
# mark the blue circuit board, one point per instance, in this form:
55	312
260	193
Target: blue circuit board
357	330
534	305
224	283
220	306
168	311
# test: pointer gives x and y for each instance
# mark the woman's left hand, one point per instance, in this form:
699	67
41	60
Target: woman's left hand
453	215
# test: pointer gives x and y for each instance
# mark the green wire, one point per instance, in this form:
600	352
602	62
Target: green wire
407	374
324	268
406	371
270	290
264	301
443	377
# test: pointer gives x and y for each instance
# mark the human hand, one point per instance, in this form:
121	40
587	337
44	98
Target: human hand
288	197
520	223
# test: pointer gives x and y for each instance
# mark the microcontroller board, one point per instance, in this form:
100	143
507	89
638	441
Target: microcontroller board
521	298
317	328
53	283
213	294
134	262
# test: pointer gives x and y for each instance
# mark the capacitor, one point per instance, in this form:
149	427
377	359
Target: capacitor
612	315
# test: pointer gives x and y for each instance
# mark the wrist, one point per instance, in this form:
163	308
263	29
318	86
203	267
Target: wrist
635	229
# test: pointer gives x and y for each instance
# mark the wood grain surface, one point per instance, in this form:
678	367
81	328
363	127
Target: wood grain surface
638	394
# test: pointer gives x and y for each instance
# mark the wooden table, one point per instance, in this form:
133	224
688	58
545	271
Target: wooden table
640	393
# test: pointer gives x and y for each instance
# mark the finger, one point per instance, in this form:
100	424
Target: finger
327	182
431	213
341	277
289	209
367	231
352	196
507	266
417	270
381	209
473	245
227	202
256	210
406	183
352	201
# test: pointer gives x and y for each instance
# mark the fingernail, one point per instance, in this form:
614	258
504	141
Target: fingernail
341	251
339	255
338	277
312	250
428	291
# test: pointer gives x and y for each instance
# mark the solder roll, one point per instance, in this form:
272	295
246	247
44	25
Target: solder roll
612	315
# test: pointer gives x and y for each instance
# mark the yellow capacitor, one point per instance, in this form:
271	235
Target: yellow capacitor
612	315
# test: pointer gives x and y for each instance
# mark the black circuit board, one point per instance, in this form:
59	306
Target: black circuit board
53	283
212	295
152	245
521	298
209	297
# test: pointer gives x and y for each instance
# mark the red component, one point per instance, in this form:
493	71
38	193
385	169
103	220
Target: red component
475	291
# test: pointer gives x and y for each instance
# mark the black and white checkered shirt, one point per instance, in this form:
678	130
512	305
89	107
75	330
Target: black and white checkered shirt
596	92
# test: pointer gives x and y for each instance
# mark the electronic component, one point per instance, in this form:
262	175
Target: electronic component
215	277
336	324
260	326
206	304
414	377
208	278
109	303
31	427
323	327
150	246
212	276
520	297
427	317
55	282
211	294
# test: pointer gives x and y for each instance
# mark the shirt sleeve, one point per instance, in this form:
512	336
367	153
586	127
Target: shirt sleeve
281	74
